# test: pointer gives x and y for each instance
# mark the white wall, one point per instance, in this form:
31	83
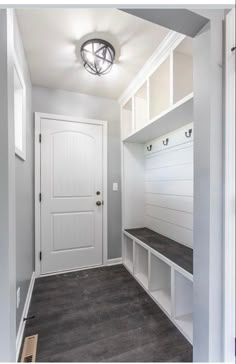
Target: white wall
208	186
24	174
169	186
74	104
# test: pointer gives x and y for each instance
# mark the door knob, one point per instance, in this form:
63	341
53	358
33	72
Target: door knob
98	203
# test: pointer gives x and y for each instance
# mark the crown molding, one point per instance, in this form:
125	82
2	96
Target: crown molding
167	45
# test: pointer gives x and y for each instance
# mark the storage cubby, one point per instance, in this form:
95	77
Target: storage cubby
127	118
182	70
160	282
141	265
159	99
128	253
140	107
183	299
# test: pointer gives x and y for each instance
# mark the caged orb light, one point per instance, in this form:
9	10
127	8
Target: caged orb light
98	56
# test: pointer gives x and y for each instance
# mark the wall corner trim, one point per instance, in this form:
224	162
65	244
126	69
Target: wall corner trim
21	328
114	261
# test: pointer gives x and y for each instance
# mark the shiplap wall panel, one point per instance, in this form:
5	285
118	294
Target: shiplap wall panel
170	173
179	203
178	188
180	218
169	158
172	231
169	188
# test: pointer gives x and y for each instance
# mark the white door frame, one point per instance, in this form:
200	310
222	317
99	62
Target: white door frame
38	117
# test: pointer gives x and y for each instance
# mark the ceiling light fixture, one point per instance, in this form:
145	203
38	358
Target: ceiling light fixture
98	56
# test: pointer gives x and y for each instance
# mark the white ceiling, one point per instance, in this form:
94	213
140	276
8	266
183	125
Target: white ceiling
52	39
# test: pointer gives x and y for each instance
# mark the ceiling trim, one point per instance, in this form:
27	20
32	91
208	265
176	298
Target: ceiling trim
170	42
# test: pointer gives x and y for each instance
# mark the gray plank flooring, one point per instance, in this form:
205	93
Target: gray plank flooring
101	315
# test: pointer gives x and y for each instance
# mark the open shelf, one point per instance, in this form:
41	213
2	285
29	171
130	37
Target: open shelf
128	253
185	323
141	265
140	107
160	89
160	282
182	70
174	117
127	117
184	304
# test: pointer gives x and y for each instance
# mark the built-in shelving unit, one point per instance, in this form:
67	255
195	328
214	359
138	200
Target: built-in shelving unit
141	107
182	70
160	282
164	102
127	118
167	283
177	115
157	180
141	264
183	300
160	88
128	253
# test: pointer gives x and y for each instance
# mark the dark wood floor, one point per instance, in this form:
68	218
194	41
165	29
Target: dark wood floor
100	315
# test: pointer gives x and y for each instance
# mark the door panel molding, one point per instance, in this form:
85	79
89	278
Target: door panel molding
38	118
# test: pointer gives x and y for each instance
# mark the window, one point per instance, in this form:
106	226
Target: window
19	111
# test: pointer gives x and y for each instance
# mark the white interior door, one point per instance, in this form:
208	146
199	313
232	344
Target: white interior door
71	188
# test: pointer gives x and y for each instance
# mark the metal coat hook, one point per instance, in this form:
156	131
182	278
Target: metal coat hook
189	133
149	148
165	142
233	49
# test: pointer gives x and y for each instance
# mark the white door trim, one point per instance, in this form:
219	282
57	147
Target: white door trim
38	117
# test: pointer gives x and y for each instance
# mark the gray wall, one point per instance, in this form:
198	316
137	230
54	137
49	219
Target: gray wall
7	193
24	177
74	104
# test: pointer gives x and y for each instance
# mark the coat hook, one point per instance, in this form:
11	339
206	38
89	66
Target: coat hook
189	133
233	49
149	148
165	142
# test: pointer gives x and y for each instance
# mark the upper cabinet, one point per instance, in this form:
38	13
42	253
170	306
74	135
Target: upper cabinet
163	101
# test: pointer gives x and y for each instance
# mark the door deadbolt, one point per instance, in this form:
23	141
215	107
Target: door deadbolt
98	193
98	203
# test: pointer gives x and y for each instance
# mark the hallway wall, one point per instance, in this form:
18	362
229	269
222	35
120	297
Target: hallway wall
24	178
69	103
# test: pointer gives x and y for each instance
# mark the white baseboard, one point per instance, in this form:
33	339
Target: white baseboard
24	314
108	262
114	261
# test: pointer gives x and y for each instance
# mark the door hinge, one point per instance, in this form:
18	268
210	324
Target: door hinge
40	255
40	197
40	138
